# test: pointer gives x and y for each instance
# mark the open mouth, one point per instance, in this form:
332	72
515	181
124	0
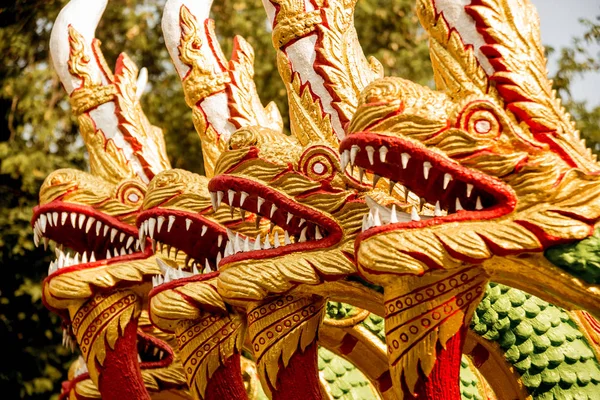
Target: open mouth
193	241
85	238
294	227
153	352
458	193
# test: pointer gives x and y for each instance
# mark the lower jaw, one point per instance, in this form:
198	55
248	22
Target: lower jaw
105	327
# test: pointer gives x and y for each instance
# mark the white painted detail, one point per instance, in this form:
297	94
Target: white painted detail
457	18
84	16
217	114
172	30
302	55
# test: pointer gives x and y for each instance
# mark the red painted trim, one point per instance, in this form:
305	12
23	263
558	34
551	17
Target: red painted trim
121	376
227	383
300	380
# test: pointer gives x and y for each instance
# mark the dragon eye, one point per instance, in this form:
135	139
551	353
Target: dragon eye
480	119
319	163
131	192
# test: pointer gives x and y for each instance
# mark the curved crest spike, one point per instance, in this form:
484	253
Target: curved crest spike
221	93
120	140
322	65
493	47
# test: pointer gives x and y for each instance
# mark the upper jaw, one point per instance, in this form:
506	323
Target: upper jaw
95	237
302	228
458	193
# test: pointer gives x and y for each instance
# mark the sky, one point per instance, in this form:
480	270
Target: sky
559	24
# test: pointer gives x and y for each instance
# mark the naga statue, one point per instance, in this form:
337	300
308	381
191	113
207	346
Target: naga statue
400	242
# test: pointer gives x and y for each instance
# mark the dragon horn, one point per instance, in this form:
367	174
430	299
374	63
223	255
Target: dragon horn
120	140
221	93
493	47
322	65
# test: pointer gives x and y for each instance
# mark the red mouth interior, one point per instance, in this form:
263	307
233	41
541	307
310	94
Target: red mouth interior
307	229
94	237
153	352
201	239
464	193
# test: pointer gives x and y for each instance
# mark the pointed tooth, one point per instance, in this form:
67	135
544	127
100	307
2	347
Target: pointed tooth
43	219
267	244
276	242
122	237
129	241
204	229
392	184
383	153
36	238
458	206
376	218
286	239
63	217
259	203
218	259
113	233
76	259
171	222
220	195
55	218
375	180
213	200
318	235
257	243
404	158
151	226
370	151
92	257
447	179
361	174
188	223
49	218
230	196
289	218
237	245
108	256
426	168
81	220
247	244
469	189
194	269
207	269
115	252
84	258
229	248
303	235
393	215
258	218
273	209
345	158
98	227
437	211
414	216
353	150
123	251
220	240
105	233
73	218
243	196
302	221
478	205
159	222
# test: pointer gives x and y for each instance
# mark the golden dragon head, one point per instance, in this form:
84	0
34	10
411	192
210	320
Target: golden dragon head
492	150
91	216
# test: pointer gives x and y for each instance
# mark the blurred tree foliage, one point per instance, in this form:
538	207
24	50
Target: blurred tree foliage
38	135
573	63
